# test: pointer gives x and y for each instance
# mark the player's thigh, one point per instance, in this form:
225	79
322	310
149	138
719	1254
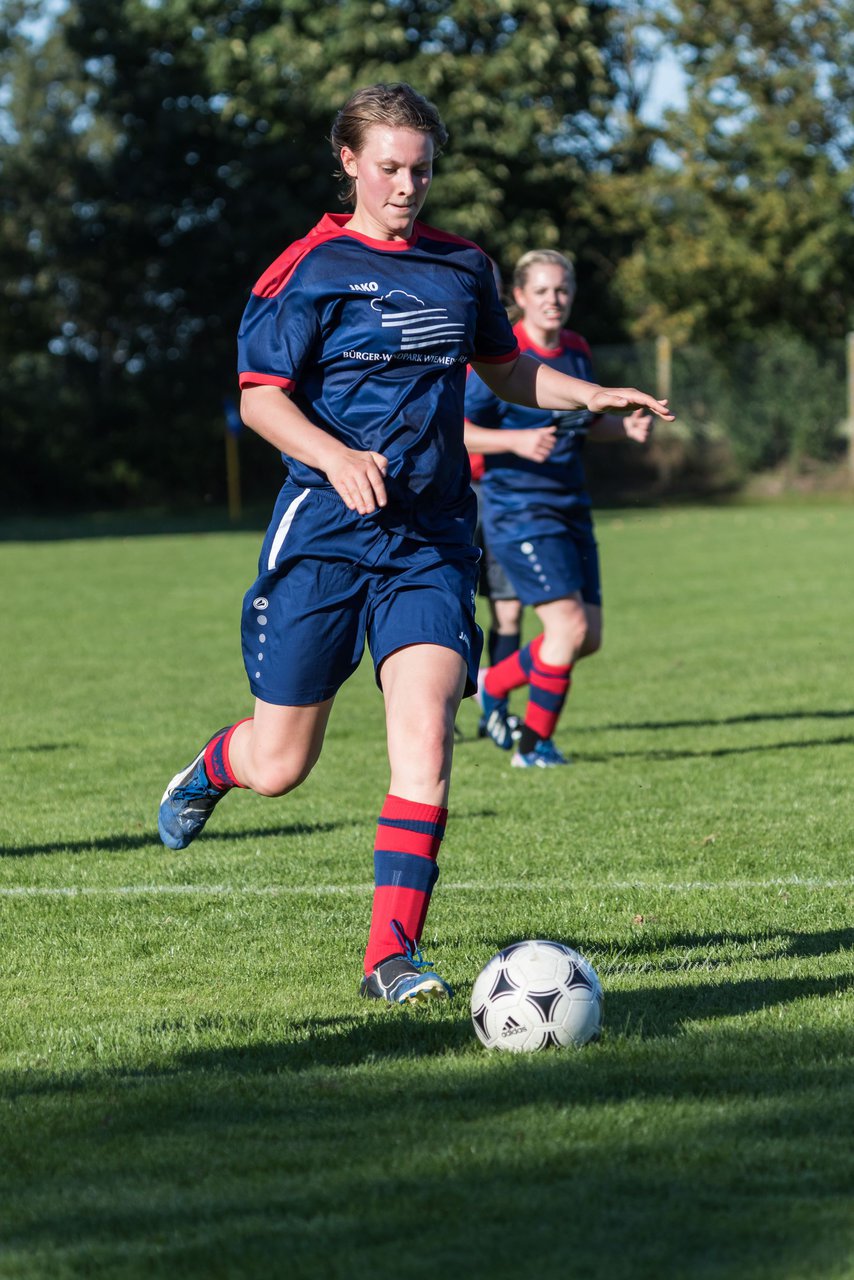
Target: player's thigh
289	733
276	750
422	686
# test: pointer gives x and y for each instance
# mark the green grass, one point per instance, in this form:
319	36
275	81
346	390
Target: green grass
190	1086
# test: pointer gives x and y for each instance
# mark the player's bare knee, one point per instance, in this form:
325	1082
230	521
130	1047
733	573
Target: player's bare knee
278	777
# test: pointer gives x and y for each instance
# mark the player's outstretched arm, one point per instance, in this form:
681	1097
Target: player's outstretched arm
356	475
529	382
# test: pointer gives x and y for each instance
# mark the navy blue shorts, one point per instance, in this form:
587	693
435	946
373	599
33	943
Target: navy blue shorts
554	565
329	580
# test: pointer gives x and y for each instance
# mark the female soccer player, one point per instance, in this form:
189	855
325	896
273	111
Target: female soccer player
352	362
536	510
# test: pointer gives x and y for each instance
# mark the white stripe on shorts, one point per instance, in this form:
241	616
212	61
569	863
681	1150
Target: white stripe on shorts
282	531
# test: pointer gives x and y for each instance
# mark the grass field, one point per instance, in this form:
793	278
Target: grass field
190	1085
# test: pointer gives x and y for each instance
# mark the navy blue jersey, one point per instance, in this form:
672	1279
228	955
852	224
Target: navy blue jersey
371	338
517	490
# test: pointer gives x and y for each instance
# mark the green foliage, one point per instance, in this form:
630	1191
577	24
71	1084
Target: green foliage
777	400
749	224
157	157
189	1084
186	145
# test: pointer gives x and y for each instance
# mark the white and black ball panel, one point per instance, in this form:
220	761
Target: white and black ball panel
537	993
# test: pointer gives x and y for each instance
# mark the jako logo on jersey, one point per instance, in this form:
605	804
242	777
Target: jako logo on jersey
420	326
370	286
465	639
259	603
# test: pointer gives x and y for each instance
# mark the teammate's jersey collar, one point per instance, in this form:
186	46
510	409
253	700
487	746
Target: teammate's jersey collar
526	342
332	223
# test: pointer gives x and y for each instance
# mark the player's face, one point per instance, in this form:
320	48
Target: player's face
393	172
545	298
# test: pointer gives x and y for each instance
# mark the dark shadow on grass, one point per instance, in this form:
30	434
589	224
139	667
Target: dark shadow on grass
676	1148
750	717
714	753
123	844
648	943
39	747
272	1159
656	1012
655	947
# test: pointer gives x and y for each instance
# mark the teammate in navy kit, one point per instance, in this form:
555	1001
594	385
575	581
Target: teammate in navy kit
536	512
352	362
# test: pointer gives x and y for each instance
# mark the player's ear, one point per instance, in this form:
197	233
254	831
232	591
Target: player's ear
349	162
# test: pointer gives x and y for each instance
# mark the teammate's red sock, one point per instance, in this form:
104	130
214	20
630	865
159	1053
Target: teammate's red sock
547	693
511	673
217	764
405	871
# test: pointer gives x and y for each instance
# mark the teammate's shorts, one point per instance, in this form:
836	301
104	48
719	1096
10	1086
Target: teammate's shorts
553	566
330	579
493	582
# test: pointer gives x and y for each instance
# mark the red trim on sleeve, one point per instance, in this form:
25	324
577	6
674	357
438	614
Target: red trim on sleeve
247	379
511	355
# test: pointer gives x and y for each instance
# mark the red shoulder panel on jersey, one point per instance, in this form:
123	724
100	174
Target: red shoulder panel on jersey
279	272
576	342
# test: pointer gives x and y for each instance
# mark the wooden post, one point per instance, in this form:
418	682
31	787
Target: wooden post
663	367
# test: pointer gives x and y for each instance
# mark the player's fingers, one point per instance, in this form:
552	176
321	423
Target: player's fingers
374	476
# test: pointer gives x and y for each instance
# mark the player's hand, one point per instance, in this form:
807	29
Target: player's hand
638	426
358	478
536	444
605	398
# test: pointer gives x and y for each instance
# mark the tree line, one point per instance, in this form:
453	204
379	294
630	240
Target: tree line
155	156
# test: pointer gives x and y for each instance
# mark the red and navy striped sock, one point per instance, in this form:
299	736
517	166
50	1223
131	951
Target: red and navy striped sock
511	673
405	871
547	693
217	764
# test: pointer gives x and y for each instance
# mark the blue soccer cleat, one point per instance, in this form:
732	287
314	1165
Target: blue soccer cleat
493	723
405	979
188	802
545	755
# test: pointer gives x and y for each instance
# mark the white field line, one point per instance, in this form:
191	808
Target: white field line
461	886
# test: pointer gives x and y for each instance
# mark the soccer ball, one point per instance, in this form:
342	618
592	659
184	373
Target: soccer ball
535	994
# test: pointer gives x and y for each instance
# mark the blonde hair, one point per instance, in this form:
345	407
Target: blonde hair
537	257
397	105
